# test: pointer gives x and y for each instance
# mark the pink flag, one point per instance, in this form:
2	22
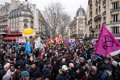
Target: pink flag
106	43
66	43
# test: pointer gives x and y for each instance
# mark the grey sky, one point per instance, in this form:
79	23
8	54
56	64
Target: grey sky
70	6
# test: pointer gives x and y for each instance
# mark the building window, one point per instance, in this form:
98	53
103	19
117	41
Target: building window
115	5
99	9
99	25
96	11
104	20
115	30
114	18
96	35
104	8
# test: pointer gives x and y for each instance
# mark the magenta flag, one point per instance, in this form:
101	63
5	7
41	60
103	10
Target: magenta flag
66	43
106	43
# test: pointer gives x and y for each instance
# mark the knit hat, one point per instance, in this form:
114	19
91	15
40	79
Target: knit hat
7	65
71	65
82	59
64	68
24	74
114	63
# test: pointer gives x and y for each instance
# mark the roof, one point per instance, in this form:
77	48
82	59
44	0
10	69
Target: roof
80	10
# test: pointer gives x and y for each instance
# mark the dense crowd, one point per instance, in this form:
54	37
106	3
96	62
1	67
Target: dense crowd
56	62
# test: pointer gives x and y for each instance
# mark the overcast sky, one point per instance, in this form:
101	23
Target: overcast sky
71	6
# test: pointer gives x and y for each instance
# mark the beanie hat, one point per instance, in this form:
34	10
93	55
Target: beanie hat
64	68
71	65
114	63
82	59
7	65
24	74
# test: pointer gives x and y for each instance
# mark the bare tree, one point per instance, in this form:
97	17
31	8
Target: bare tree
57	17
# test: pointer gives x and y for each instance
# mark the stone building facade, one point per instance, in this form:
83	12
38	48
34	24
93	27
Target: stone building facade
78	26
103	12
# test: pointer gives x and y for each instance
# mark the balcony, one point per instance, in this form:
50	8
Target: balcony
92	29
97	1
114	0
90	20
97	26
97	17
104	2
115	10
116	35
90	2
104	22
104	12
115	22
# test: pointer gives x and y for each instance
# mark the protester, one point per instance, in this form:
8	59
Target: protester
57	62
25	75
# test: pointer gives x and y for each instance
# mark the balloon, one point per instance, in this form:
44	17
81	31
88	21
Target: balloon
28	33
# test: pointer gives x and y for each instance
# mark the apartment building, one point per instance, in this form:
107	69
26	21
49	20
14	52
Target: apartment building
4	12
16	16
103	11
77	27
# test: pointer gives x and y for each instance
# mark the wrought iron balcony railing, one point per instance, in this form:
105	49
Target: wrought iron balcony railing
97	17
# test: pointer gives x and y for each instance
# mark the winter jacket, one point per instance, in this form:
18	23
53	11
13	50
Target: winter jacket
61	76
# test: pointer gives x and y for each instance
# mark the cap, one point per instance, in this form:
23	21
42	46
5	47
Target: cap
24	74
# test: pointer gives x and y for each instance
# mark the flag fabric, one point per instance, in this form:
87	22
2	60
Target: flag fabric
72	42
66	42
77	41
38	43
58	40
27	47
106	43
49	41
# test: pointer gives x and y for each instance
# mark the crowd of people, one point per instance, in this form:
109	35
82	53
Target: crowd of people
56	62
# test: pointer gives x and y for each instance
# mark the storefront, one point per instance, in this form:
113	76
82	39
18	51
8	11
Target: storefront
12	36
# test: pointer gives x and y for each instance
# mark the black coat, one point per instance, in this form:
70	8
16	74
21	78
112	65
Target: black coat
61	77
115	73
46	72
2	73
33	72
72	74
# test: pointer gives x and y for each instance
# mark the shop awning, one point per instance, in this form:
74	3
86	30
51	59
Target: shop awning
14	33
10	38
2	33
